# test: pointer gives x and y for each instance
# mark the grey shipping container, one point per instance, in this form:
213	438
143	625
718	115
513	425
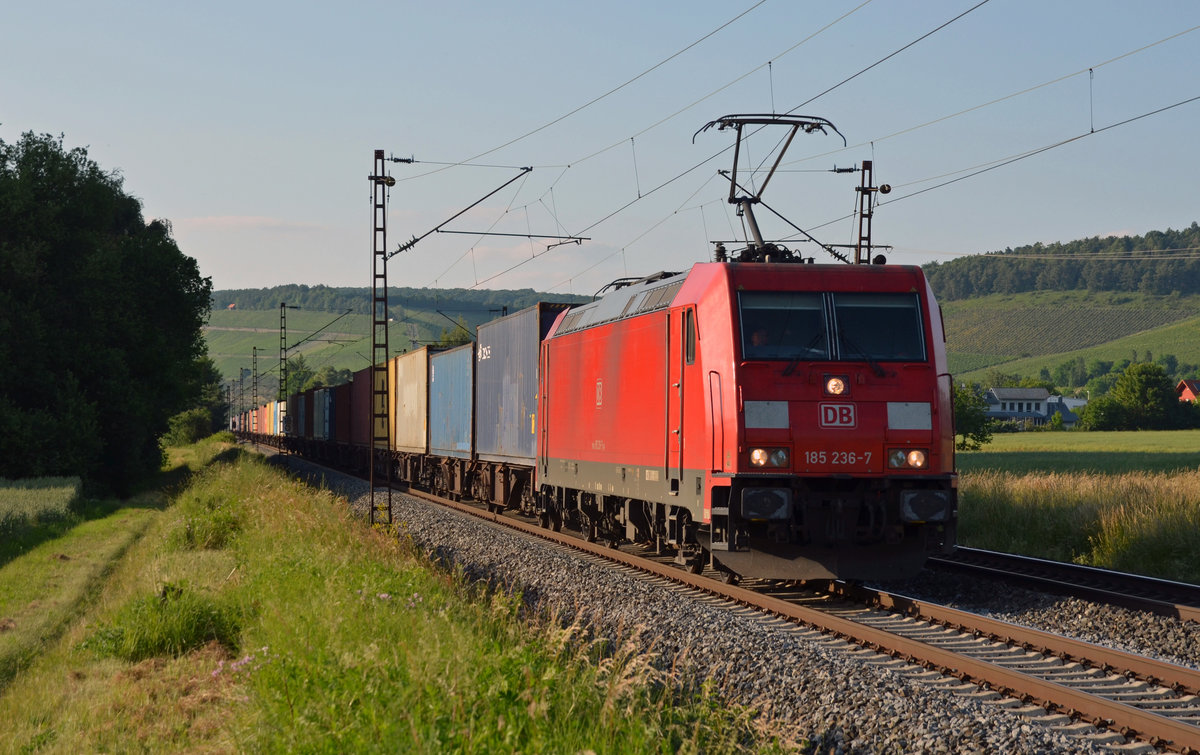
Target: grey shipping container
452	402
321	413
506	383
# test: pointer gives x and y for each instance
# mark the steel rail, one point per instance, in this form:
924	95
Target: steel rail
1179	678
1165	597
1128	720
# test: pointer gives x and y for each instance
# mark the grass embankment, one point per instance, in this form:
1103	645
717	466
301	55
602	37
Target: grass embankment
1127	501
258	614
55	550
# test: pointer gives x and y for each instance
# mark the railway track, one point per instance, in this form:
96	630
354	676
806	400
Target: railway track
1160	596
1071	685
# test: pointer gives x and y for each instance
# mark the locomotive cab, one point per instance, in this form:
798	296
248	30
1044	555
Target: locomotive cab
843	469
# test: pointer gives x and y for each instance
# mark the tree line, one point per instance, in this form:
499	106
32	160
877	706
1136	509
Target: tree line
1156	263
100	321
1137	396
358	300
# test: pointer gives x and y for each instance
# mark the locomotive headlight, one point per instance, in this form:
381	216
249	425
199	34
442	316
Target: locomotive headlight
908	458
769	457
835	386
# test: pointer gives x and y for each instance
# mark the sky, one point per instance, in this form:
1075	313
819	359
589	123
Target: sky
251	127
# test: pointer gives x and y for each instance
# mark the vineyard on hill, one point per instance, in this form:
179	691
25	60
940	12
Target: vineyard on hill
1021	334
992	330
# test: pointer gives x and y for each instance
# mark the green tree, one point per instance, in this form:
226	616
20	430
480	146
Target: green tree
1102	413
1038	383
299	374
456	337
1056	422
328	377
100	320
996	378
972	426
1148	399
211	398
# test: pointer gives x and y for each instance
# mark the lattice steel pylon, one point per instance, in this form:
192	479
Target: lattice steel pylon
863	254
254	401
281	394
381	435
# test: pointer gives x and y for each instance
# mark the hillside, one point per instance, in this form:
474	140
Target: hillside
326	335
999	329
1022	334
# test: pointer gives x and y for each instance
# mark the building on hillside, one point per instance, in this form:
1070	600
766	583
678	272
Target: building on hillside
1188	390
1029	405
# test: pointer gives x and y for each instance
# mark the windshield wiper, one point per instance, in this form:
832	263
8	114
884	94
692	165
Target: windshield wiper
875	366
795	361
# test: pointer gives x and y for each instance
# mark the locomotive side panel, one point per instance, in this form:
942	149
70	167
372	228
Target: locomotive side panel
606	409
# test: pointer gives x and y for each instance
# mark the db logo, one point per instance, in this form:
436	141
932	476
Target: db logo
837	415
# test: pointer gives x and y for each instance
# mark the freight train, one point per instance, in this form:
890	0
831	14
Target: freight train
763	415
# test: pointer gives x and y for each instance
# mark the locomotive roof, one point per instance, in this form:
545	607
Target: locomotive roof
636	299
658	291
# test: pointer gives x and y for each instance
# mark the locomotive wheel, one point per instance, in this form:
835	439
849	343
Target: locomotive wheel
697	563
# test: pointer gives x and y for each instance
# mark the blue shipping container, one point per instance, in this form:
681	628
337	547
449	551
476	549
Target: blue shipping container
451	402
506	383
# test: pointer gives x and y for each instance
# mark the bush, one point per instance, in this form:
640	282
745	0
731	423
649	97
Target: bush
188	427
170	623
211	525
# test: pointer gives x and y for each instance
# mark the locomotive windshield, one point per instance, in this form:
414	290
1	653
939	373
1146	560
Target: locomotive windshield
797	325
784	325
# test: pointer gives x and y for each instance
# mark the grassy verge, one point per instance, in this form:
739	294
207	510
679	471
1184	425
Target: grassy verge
257	614
35	510
1115	500
1104	453
1137	522
45	588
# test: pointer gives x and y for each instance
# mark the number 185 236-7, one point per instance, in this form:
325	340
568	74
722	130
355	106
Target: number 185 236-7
838	458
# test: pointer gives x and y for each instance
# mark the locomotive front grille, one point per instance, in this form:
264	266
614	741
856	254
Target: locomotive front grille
924	506
766	504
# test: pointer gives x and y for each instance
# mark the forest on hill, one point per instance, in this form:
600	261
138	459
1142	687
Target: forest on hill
1158	263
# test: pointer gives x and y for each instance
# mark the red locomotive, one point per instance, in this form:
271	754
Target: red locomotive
792	420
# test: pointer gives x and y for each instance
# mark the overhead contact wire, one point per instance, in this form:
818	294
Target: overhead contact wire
1047	148
998	100
612	91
